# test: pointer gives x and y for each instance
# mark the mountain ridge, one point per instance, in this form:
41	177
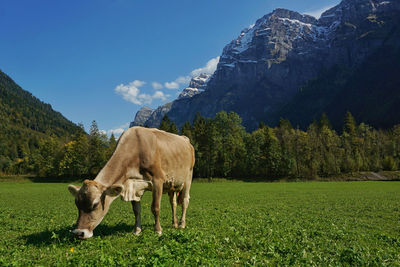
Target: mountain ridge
261	71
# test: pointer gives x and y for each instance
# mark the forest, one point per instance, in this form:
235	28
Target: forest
25	121
225	150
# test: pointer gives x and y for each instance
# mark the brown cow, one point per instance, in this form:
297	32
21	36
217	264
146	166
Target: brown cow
145	159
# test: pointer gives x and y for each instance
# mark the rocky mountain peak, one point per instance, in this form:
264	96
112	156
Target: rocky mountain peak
293	15
268	42
153	117
199	81
350	10
141	116
196	86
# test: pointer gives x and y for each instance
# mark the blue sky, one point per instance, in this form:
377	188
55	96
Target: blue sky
104	59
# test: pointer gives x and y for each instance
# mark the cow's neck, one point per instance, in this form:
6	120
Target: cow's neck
110	174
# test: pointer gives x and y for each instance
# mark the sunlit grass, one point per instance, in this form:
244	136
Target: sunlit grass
355	223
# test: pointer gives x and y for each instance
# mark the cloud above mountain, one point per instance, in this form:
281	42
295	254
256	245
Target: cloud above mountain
209	68
171	85
133	91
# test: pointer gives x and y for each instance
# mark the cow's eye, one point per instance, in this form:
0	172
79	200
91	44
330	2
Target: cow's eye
95	205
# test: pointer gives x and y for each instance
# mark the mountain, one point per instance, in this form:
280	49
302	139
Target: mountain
297	67
152	118
25	120
196	86
141	117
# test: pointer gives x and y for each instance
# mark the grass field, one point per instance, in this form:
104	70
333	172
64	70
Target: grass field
229	223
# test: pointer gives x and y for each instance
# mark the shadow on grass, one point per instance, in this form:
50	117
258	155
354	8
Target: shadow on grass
64	236
54	179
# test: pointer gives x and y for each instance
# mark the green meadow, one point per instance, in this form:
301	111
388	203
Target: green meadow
228	223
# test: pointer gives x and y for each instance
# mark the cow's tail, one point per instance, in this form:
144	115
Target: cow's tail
179	196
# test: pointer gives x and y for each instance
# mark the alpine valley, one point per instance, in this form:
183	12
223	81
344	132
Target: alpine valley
294	66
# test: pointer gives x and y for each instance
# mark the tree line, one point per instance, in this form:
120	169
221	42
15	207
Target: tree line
224	149
81	155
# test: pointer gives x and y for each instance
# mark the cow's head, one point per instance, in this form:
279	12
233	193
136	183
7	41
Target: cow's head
92	200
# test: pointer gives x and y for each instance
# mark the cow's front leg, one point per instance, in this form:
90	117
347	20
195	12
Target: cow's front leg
137	211
156	204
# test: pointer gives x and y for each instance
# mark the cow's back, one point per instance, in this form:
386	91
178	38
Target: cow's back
153	152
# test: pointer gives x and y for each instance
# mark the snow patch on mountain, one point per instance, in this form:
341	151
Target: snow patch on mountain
196	86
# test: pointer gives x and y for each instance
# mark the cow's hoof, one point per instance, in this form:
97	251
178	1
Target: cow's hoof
175	225
138	231
158	230
182	225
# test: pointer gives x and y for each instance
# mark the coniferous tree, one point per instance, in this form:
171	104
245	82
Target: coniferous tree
96	150
324	122
349	124
165	124
172	128
186	130
168	125
112	144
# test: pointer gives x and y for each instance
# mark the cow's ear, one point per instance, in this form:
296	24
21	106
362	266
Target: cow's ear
114	190
73	189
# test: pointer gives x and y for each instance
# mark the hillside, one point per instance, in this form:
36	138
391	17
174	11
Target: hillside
24	120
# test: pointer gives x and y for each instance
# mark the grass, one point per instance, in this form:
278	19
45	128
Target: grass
229	223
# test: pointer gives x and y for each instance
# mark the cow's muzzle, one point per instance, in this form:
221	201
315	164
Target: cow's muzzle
82	233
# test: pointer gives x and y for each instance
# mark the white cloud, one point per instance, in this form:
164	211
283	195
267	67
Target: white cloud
156	85
117	131
171	85
317	13
209	68
160	95
131	93
178	82
183	79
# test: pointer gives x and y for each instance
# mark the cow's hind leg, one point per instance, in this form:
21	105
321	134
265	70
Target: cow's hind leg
155	205
185	203
137	211
172	200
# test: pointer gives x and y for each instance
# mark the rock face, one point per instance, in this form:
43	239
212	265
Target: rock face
262	71
196	86
156	116
141	117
